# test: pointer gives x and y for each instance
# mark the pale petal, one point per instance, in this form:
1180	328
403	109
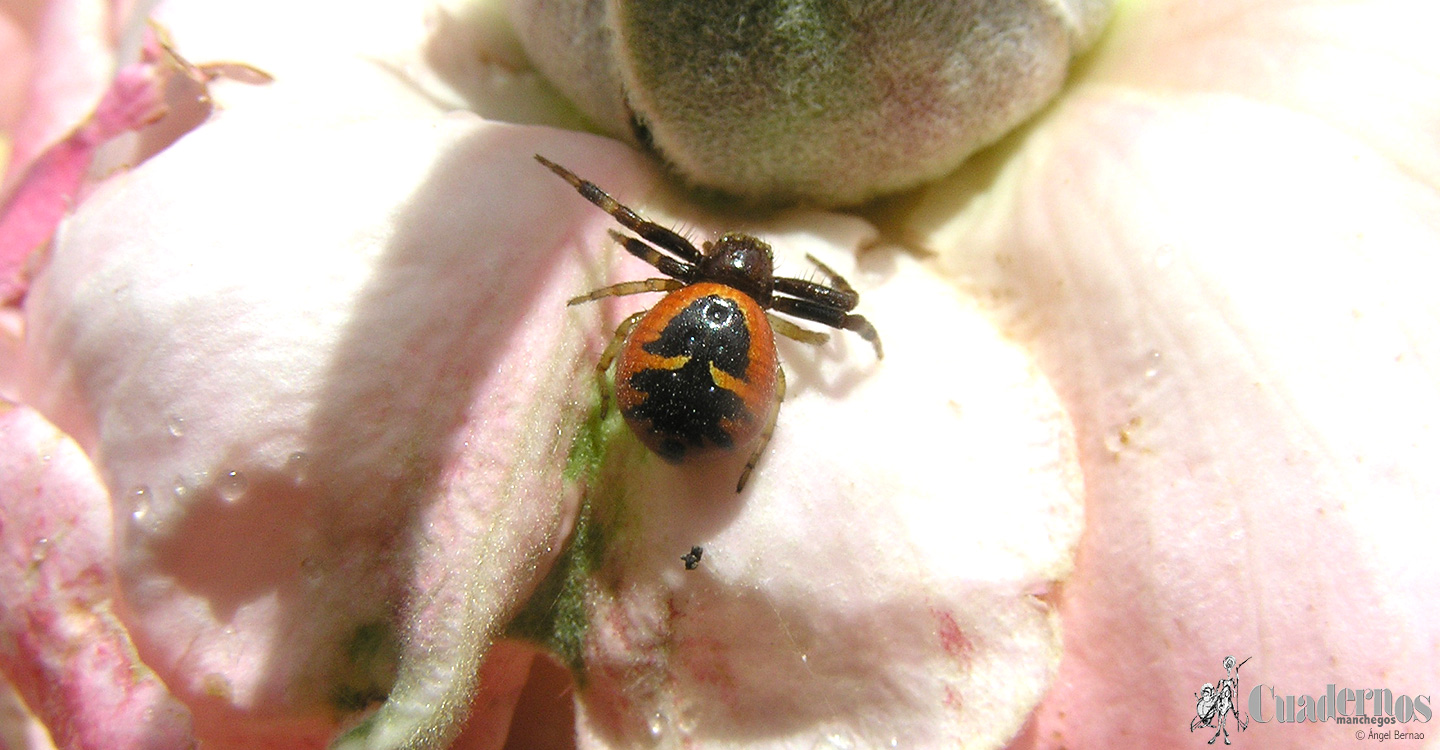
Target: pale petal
321	396
1223	253
63	645
70	64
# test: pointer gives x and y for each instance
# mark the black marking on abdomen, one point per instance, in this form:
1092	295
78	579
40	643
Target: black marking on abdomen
684	406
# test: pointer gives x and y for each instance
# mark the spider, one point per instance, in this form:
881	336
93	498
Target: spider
696	370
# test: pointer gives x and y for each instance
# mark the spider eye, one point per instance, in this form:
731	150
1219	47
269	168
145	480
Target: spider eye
718	314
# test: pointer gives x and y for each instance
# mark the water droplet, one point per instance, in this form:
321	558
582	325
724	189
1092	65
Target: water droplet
140	500
180	489
1164	256
175	426
142	512
656	725
836	741
232	486
311	569
1152	365
41	550
297	466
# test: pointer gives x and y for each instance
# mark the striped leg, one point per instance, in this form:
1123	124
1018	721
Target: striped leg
791	331
611	350
830	316
666	264
629	219
628	287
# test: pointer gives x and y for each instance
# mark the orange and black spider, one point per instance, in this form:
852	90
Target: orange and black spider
698	368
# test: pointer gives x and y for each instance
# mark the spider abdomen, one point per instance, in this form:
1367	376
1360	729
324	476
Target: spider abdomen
698	372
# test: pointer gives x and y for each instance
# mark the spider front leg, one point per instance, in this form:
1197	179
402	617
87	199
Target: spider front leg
667	265
651	231
836	280
839	294
627	287
831	316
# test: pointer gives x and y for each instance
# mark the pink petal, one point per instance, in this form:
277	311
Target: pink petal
51	186
339	431
65	649
1223	249
71	63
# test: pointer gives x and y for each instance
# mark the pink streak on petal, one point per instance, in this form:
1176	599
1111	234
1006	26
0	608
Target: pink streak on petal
63	648
71	62
49	188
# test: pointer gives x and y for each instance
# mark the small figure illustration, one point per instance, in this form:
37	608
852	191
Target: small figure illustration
1214	703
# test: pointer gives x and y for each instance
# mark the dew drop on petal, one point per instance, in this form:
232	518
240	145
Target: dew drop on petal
41	550
297	466
1164	257
1152	363
311	569
140	500
836	741
142	513
180	489
232	486
175	426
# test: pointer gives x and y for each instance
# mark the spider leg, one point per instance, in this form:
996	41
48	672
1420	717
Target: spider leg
790	330
767	431
836	280
831	316
611	350
666	264
665	238
628	287
842	299
838	294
